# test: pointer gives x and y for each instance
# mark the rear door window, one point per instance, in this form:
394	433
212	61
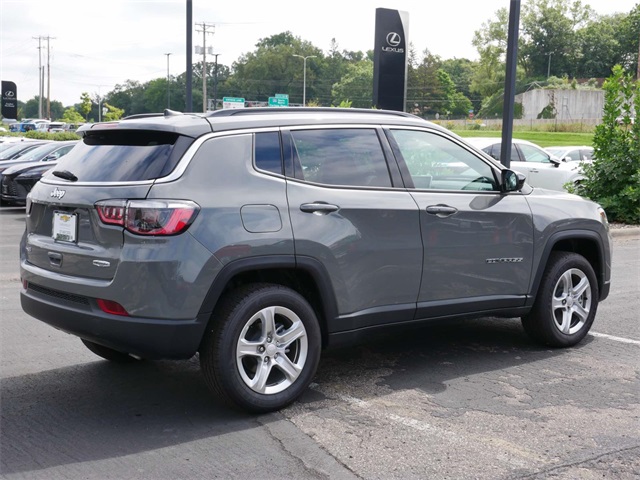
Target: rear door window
124	155
340	156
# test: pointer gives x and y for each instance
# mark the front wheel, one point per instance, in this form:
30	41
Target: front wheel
567	301
262	349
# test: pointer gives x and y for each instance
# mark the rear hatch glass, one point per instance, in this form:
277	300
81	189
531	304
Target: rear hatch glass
124	155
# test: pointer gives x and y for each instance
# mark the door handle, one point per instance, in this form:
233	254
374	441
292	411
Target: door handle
441	210
319	208
534	170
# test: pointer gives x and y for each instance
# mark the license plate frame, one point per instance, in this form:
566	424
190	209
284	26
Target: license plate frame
64	227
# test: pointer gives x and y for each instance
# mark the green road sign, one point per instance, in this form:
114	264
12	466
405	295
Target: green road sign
279	101
232	102
282	95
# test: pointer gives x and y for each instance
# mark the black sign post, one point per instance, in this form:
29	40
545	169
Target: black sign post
9	100
390	59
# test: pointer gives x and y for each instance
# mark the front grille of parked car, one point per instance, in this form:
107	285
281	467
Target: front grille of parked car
9	187
70	297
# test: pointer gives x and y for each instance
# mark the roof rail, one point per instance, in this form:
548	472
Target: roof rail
272	110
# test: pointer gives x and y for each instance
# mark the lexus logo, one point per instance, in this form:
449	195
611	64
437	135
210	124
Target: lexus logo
393	39
56	193
9	94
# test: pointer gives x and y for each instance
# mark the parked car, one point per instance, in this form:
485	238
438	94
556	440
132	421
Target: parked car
542	169
569	154
46	152
256	237
57	127
17	181
14	150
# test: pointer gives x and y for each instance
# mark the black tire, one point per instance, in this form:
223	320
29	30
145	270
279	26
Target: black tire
109	353
561	315
257	380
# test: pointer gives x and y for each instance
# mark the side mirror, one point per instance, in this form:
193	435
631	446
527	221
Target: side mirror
512	181
567	159
554	161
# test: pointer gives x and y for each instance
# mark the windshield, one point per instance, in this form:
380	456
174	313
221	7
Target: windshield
39	153
557	152
13	149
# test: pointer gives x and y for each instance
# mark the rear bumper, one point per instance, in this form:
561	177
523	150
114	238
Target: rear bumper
145	337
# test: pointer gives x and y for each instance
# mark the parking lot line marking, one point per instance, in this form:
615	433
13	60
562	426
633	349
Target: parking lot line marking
616	339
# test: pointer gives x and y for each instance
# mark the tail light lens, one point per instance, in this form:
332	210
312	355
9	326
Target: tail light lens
149	217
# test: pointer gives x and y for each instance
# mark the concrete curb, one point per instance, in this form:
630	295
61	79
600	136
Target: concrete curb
625	232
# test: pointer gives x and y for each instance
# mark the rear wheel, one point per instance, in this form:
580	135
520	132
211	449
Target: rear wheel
262	349
109	353
567	301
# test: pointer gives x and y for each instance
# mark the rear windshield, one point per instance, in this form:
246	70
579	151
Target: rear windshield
124	155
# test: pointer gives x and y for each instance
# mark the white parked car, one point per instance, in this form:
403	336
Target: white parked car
542	169
572	153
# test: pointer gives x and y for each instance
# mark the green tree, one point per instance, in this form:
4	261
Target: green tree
129	96
113	113
356	86
272	68
454	101
70	115
601	47
85	104
613	179
461	71
549	27
31	108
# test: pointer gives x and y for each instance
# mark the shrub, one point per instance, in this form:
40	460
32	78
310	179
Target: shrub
613	179
59	136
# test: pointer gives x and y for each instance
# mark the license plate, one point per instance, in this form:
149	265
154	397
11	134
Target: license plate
65	226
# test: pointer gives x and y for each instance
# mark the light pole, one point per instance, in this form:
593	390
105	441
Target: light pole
304	76
549	65
168	83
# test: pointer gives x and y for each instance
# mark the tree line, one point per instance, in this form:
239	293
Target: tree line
561	42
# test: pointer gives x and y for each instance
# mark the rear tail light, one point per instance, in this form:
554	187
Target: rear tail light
149	217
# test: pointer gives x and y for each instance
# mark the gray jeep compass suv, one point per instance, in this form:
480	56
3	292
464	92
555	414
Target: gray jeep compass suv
257	237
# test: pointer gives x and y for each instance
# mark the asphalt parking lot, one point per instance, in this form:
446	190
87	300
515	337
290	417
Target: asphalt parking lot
466	400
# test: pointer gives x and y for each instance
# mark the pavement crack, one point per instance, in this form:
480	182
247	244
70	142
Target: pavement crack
280	428
574	464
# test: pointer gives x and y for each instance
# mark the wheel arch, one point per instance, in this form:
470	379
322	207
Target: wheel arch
584	242
305	275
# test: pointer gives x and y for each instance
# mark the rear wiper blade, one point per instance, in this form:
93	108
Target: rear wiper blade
66	174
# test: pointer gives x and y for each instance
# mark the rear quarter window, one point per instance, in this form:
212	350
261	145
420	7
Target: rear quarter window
124	155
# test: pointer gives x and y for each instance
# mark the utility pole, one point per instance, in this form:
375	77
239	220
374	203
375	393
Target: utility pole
49	79
549	64
205	28
189	93
168	83
40	75
215	83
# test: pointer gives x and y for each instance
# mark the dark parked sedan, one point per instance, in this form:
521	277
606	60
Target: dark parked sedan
18	180
44	156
